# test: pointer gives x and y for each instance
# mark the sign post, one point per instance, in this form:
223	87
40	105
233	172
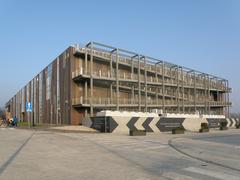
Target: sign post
29	110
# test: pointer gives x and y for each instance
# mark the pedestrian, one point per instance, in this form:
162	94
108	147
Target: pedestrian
4	121
15	121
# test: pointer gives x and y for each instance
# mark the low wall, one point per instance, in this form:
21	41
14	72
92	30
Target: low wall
215	123
123	122
117	124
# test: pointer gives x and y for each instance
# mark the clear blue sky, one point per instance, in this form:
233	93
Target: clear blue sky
203	34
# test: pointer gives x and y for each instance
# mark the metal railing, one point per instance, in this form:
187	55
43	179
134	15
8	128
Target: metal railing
124	101
200	82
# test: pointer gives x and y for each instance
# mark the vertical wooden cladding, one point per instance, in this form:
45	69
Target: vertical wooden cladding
36	100
54	93
65	81
49	92
75	88
56	90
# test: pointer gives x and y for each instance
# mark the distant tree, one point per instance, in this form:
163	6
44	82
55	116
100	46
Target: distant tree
235	115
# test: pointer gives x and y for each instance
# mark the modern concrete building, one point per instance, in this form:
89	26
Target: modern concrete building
84	80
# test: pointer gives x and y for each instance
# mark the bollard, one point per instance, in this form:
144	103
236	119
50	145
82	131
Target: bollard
137	132
204	128
223	125
238	125
178	130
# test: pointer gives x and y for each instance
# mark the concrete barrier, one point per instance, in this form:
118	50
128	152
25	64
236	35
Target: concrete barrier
123	122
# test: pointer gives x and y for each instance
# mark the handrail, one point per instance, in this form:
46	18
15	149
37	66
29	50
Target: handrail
125	101
213	84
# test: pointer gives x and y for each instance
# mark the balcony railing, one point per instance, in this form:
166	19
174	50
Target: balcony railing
200	81
128	76
124	101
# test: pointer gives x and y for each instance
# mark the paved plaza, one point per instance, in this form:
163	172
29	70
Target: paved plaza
34	154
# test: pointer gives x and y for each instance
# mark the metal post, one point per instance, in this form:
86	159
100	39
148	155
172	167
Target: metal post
86	72
228	108
111	75
91	80
111	93
145	81
209	108
178	105
85	91
225	97
195	92
28	114
163	87
132	97
139	85
85	63
132	69
205	88
183	108
117	80
173	89
132	77
156	77
111	66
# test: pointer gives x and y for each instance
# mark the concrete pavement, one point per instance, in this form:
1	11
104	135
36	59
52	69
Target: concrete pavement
26	154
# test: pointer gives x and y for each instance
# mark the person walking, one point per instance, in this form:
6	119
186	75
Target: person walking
15	121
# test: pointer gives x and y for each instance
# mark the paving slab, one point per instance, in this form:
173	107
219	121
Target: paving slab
36	154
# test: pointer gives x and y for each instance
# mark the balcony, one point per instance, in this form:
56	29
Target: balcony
123	76
112	102
219	103
188	81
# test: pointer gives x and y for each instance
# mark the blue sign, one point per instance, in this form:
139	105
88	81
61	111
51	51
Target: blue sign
29	107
